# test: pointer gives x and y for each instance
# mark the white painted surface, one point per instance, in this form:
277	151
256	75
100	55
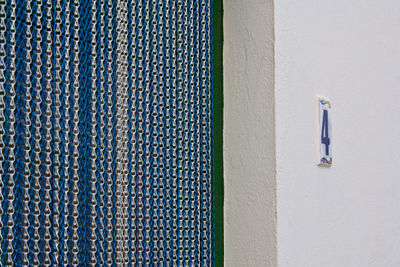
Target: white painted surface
349	51
249	152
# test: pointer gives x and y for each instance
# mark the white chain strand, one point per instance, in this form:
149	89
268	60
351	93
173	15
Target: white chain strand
168	207
198	140
180	129
2	108
209	130
110	126
157	105
57	138
48	137
28	135
119	147
75	155
133	137
93	179
125	130
161	72
174	139
121	136
67	163
204	139
140	174
161	137
38	137
147	174
186	136
193	117
11	145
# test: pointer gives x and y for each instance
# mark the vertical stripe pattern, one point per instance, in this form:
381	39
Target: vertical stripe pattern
106	133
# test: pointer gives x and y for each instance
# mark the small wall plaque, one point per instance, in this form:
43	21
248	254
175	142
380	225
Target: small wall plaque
325	132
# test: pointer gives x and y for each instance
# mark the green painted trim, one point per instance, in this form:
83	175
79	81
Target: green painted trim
218	35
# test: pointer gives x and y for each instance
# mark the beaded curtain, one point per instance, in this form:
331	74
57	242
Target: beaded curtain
106	133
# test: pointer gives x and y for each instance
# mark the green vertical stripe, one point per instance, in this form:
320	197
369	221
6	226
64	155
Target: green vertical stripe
218	132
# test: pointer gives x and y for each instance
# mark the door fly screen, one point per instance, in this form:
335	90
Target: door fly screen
106	133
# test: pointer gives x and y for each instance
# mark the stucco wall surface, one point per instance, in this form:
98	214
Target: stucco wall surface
249	153
348	51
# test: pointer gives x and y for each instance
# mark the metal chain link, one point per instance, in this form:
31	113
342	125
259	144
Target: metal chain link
67	154
11	144
206	259
75	134
186	129
194	135
93	180
38	137
168	70
48	136
2	117
121	137
140	174
110	118
180	128
174	133
93	171
57	138
133	153
157	105
102	174
147	127
27	137
209	96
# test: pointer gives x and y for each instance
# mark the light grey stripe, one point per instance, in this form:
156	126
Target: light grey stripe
75	155
121	137
93	180
28	135
11	144
67	153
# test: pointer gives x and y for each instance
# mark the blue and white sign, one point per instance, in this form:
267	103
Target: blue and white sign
325	132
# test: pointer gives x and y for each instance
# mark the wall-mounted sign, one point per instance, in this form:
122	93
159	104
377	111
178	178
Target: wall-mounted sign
325	132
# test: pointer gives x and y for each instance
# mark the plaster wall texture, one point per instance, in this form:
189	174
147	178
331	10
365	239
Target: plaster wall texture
249	145
348	51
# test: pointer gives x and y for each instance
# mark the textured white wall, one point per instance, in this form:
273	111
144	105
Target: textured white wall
249	152
349	51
